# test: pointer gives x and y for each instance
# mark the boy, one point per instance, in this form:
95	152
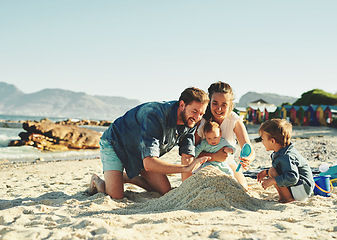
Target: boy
213	143
290	172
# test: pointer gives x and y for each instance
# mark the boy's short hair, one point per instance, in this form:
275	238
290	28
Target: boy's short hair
211	126
194	94
279	129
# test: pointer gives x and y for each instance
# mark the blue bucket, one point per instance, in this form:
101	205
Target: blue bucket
323	186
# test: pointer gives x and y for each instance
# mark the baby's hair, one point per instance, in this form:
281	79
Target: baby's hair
279	129
211	126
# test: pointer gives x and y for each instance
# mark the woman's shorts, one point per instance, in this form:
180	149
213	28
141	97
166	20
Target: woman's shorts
109	158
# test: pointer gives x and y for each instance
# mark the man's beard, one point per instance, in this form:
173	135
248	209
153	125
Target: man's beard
185	119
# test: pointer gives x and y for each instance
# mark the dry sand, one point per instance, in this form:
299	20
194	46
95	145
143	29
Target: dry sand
48	200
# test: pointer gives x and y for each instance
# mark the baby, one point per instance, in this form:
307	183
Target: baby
213	143
290	173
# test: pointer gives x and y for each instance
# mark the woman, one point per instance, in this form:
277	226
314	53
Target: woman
220	110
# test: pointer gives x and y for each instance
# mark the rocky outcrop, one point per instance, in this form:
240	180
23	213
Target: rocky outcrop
51	136
83	122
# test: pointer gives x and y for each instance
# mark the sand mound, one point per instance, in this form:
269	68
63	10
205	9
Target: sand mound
208	189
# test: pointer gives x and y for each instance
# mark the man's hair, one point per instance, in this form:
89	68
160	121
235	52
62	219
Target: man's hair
211	126
279	129
194	94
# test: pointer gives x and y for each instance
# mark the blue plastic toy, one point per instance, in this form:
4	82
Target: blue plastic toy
245	152
333	173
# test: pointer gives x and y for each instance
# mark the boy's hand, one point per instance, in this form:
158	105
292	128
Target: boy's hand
266	183
261	175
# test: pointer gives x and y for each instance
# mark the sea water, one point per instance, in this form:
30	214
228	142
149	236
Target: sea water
10	131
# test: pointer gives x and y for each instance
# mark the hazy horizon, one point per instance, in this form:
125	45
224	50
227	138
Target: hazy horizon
236	99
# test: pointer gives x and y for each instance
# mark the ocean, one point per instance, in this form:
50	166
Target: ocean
11	131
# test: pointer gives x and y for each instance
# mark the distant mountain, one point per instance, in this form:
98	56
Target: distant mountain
62	103
271	98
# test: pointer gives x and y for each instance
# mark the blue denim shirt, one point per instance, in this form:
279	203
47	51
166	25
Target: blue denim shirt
148	130
293	169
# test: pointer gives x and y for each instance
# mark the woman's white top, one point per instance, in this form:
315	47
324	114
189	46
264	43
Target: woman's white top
227	129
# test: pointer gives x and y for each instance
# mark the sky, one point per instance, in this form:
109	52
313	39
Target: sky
153	50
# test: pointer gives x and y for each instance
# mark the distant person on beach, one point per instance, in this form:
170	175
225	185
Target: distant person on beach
212	143
220	110
135	142
290	172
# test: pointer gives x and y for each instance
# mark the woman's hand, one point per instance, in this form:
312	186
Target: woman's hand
243	137
244	162
228	150
219	156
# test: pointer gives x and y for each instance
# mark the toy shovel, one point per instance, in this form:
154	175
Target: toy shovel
245	152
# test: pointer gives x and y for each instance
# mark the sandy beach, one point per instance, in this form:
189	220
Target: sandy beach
48	200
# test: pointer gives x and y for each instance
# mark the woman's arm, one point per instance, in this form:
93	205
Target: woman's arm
243	137
219	156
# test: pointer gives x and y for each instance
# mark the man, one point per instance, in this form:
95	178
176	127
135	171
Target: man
135	142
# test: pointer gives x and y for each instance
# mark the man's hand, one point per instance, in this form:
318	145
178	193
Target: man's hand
196	163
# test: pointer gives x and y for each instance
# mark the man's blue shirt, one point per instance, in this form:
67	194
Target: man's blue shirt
148	130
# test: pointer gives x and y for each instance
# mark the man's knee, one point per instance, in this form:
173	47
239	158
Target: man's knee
114	184
158	182
115	195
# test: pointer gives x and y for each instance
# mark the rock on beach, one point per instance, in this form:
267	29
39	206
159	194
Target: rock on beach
51	136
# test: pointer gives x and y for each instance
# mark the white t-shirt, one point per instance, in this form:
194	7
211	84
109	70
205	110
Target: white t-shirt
227	129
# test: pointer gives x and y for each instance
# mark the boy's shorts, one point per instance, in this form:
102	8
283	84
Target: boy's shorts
299	192
109	158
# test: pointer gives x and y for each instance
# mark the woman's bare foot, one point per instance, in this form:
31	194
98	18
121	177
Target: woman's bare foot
96	185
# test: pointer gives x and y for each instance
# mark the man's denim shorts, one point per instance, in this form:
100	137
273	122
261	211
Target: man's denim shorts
109	158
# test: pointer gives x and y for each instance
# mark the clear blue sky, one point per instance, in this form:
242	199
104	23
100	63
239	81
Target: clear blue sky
152	50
